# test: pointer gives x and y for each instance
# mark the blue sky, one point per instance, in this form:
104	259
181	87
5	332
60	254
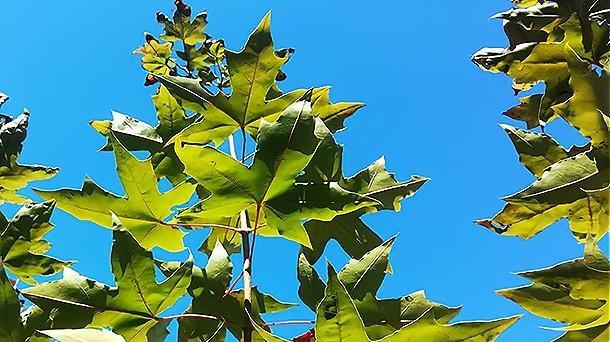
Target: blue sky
429	111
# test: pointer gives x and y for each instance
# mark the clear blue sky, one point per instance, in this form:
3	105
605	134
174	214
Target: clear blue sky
429	111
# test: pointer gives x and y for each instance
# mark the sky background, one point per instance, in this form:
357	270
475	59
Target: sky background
429	111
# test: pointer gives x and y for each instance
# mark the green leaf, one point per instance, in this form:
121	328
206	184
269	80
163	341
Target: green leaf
132	309
181	28
254	94
584	278
135	277
527	111
230	308
264	334
588	109
559	192
82	335
311	287
136	135
366	274
11	196
354	236
133	133
539	17
527	64
536	151
336	316
22	246
230	240
208	289
267	188
70	302
214	277
333	114
208	284
374	182
156	56
203	57
11	328
252	72
15	176
382	317
142	209
172	117
427	328
596	334
574	292
555	304
526	3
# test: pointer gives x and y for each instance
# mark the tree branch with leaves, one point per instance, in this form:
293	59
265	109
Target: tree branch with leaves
563	46
246	161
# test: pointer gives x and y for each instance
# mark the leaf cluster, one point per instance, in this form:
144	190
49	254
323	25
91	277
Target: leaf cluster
564	46
289	183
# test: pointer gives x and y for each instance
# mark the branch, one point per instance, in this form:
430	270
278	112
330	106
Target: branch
247	267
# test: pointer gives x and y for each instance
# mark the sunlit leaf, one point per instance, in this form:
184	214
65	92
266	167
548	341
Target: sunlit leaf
254	95
574	292
11	328
22	246
285	148
132	308
142	209
82	335
15	176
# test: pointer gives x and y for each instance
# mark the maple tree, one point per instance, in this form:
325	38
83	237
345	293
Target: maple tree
244	159
563	45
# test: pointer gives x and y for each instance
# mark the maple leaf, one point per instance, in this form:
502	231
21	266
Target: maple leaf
132	308
22	246
337	317
15	176
573	292
268	188
11	328
254	95
142	209
156	56
208	290
137	135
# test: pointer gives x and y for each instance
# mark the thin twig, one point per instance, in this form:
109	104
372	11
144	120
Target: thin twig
192	315
232	287
250	156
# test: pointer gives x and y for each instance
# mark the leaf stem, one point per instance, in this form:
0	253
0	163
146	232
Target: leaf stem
192	315
232	287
